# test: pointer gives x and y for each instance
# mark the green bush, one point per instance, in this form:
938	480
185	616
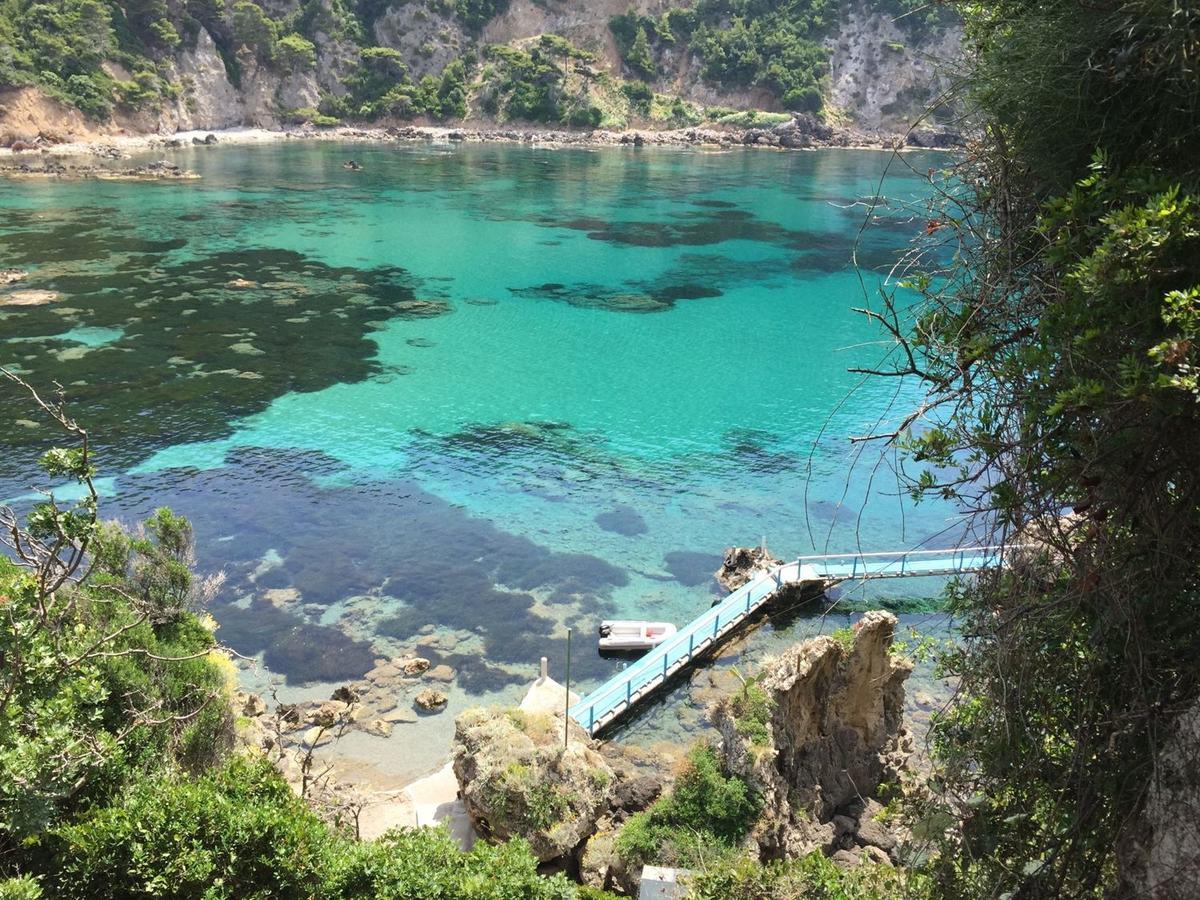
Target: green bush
639	95
254	29
632	34
237	832
814	877
294	53
704	813
474	14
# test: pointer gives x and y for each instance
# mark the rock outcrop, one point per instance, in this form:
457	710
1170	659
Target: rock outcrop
1159	855
816	735
516	778
741	564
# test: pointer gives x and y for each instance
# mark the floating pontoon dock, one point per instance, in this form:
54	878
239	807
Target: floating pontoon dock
640	679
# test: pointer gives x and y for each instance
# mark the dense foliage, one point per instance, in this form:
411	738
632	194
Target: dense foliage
813	877
240	832
757	43
1061	350
549	82
705	815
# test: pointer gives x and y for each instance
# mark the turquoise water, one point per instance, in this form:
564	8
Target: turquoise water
476	394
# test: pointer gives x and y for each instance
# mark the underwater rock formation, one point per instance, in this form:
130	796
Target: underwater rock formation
516	779
816	735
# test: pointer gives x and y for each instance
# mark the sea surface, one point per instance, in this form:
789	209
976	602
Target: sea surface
473	396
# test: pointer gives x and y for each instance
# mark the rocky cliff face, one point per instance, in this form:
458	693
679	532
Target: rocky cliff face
816	735
1160	850
880	75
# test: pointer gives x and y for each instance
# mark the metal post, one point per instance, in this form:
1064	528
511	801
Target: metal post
567	698
545	667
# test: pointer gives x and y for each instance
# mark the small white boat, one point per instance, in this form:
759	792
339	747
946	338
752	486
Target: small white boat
633	634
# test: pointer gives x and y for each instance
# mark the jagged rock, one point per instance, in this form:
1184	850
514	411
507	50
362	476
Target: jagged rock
834	732
875	855
517	779
935	138
846	859
810	125
1158	856
414	666
317	736
328	713
741	564
637	793
844	825
430	700
345	694
600	866
250	705
873	834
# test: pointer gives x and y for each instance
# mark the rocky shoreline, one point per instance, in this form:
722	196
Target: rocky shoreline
801	132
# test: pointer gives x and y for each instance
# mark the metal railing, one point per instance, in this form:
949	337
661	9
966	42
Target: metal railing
640	678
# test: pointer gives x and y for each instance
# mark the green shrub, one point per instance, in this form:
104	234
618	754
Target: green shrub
752	708
632	34
254	29
814	877
639	95
238	832
704	813
23	888
294	53
474	14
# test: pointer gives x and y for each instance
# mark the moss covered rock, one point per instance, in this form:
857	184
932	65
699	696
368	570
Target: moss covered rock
517	779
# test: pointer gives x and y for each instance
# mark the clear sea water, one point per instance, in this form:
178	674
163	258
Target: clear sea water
472	396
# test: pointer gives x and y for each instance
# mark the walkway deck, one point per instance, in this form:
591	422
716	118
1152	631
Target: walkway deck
638	680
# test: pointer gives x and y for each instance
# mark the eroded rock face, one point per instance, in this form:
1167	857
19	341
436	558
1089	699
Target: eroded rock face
741	564
516	779
829	733
1159	855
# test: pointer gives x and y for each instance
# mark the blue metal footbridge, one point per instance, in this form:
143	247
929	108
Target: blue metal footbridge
649	673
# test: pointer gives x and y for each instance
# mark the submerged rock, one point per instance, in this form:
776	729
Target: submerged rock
28	298
517	779
816	735
431	700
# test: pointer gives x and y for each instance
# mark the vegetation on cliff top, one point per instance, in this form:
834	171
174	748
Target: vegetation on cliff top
102	56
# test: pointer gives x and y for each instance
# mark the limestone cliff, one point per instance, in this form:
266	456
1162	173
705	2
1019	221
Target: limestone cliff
816	735
878	74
